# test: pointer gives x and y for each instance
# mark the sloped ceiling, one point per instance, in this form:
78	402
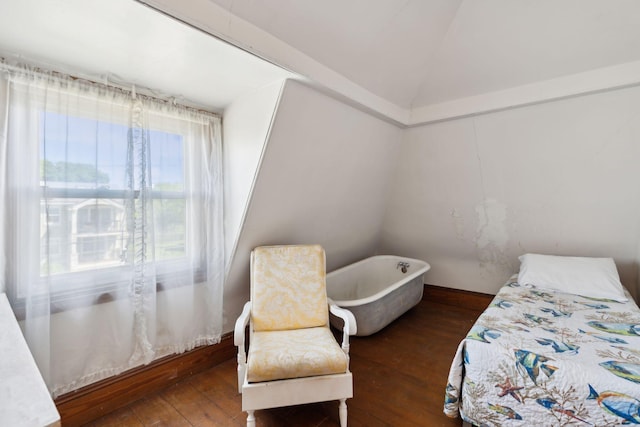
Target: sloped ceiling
388	47
419	53
123	41
410	61
497	44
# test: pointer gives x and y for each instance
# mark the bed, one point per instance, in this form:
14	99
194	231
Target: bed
554	348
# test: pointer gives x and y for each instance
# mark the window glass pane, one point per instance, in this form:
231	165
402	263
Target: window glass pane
83	211
82	153
169	221
88	234
167	161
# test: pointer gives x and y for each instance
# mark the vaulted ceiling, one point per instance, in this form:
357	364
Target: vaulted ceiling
416	53
411	61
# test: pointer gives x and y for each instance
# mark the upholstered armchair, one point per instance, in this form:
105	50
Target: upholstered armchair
293	355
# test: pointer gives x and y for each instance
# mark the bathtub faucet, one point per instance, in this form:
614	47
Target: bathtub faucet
403	266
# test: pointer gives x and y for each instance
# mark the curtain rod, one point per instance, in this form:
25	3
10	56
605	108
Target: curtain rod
128	89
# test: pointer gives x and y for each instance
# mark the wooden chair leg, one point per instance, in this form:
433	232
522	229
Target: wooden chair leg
342	409
251	419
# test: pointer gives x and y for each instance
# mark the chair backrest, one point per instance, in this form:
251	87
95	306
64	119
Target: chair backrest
288	287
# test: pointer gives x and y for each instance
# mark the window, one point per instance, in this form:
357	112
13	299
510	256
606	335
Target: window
111	216
85	195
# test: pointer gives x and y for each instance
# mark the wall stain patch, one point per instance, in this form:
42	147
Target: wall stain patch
492	237
458	223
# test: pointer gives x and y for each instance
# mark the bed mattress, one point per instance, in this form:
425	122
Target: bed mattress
546	358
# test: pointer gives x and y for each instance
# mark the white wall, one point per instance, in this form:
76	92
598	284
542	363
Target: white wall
323	178
246	125
470	195
3	167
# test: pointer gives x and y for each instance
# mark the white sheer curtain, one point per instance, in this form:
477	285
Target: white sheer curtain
111	245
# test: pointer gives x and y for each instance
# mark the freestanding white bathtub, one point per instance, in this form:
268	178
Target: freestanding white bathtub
377	290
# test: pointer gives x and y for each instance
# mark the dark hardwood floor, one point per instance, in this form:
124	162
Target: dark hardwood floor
399	379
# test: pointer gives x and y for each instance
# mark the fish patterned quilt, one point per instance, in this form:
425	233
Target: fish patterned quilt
545	358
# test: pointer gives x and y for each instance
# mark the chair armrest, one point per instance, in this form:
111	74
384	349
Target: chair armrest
350	326
241	325
238	339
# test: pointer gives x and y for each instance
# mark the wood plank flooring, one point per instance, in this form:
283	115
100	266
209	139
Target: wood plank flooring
399	379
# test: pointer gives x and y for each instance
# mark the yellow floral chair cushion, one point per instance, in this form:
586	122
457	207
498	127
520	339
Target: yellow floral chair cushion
288	288
275	355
